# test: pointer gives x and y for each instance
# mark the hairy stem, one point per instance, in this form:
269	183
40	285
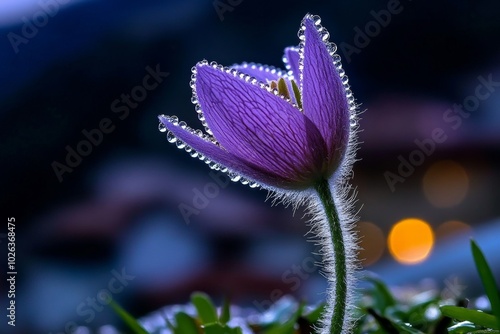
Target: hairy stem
337	241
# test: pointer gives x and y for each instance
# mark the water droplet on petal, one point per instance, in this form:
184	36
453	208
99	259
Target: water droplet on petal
162	127
253	185
180	144
174	120
234	177
171	137
353	123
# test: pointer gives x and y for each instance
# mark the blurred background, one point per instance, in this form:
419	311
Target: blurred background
106	208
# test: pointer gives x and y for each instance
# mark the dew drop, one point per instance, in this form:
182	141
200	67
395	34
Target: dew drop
336	58
183	124
180	144
171	137
244	181
234	177
174	120
162	127
333	47
193	154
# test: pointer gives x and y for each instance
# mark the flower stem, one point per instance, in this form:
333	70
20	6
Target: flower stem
337	241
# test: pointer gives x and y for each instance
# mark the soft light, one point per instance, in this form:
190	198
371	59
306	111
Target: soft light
371	242
445	184
451	228
411	241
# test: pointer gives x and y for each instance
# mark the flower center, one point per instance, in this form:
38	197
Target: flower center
283	90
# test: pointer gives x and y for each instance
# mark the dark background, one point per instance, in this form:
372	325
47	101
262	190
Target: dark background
118	208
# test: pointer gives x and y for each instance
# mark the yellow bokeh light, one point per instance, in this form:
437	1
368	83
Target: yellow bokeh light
411	240
445	184
451	228
371	242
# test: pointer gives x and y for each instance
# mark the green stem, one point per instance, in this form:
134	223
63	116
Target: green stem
337	239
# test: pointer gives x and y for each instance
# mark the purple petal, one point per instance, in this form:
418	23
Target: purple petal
260	72
323	95
216	154
259	127
221	156
291	60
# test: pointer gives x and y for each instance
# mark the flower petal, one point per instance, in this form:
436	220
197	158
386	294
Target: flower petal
213	152
323	94
257	126
222	157
291	60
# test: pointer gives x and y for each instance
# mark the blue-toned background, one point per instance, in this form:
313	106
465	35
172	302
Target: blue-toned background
73	78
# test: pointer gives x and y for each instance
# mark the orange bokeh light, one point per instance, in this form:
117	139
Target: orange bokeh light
452	228
371	242
445	184
411	240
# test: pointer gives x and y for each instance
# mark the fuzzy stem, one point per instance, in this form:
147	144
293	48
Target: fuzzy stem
337	240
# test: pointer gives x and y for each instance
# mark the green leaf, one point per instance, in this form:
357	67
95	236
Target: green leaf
221	329
315	314
289	326
488	280
205	307
225	312
131	322
383	297
185	324
476	317
405	328
462	328
467	327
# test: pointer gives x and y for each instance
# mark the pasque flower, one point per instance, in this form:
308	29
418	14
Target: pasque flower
282	130
290	132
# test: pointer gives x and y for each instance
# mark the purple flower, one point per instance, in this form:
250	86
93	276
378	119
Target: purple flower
281	130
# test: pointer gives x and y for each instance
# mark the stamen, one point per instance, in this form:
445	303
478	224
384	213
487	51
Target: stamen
296	93
283	89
